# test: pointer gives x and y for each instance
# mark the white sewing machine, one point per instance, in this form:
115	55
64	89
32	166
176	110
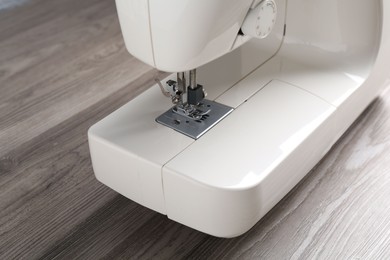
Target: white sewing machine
284	80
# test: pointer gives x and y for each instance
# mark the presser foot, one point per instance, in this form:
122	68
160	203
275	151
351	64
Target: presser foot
194	121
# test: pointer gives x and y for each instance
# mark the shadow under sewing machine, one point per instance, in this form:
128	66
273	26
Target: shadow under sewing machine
284	80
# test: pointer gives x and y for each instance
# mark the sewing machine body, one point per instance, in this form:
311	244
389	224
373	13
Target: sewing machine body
293	94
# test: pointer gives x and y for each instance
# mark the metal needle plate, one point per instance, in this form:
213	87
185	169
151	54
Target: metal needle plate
195	128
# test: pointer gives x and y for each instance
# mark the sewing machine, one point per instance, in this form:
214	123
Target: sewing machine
260	91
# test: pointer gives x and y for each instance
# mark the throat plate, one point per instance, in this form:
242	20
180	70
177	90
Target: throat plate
195	128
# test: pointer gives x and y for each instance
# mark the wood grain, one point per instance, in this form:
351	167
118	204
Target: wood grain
63	67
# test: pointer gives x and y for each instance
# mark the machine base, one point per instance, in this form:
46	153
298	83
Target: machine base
225	181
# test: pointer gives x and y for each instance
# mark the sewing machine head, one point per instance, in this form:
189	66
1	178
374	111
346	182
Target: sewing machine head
181	35
192	34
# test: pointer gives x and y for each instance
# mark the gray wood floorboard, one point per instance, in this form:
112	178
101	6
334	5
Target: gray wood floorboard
63	67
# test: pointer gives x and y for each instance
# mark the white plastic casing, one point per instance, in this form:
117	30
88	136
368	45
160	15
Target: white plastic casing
288	113
179	35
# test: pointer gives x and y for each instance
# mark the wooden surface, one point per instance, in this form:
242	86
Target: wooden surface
63	67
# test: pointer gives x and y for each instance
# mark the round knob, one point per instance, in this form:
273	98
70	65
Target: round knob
266	18
261	20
